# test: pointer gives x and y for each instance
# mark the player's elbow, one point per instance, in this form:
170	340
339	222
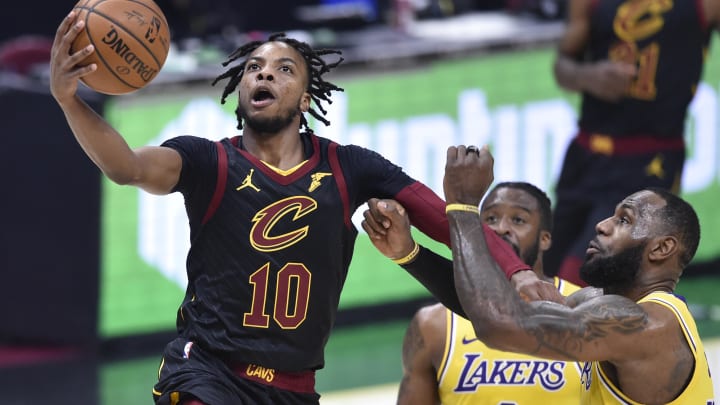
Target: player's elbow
124	174
118	177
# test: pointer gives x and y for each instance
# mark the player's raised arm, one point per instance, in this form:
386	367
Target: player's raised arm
500	317
154	169
638	328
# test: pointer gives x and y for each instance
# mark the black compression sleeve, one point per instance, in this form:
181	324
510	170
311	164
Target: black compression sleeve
436	274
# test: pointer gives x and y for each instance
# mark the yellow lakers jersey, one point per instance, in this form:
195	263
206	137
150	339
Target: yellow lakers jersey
472	373
598	389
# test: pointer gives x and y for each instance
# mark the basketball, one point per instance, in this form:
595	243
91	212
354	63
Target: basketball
131	39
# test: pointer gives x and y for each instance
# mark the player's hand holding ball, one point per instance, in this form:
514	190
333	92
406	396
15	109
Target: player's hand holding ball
129	39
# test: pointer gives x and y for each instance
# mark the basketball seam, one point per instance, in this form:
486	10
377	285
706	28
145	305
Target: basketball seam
114	21
92	8
99	55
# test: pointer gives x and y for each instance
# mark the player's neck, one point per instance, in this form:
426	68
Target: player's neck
538	269
283	150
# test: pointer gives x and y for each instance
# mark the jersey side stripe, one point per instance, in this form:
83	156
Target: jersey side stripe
609	387
220	184
340	180
449	345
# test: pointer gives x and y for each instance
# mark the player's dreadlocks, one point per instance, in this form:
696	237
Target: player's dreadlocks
318	88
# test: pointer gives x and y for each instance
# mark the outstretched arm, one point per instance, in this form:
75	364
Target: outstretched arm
388	227
155	169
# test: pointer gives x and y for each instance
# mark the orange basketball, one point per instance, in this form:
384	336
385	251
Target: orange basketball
131	39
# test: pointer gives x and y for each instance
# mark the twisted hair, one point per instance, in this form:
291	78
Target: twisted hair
317	87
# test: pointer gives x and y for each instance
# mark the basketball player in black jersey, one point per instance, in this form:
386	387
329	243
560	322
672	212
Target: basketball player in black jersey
637	65
270	222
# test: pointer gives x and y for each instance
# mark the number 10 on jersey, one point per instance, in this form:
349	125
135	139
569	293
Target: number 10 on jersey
290	301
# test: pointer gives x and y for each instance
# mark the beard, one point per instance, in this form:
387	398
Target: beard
530	255
269	125
613	273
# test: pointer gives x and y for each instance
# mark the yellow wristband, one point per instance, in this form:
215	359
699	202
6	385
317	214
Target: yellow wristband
462	207
410	256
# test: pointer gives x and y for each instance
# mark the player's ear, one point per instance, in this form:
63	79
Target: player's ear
663	247
545	241
305	102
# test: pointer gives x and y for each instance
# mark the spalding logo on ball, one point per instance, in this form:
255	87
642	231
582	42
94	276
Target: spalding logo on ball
131	39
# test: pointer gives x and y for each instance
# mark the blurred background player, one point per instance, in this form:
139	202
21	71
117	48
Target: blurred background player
444	363
637	65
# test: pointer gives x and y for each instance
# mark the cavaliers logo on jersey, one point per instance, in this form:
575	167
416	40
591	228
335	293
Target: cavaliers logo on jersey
288	209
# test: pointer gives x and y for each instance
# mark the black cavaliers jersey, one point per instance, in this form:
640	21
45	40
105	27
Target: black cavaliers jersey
667	41
270	250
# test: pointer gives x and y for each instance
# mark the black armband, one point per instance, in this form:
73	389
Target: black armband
435	272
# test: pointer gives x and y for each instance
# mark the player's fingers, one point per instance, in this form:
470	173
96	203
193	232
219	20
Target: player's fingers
392	211
373	205
452	153
64	27
485	154
372	223
81	54
372	234
462	151
85	70
72	32
375	209
399	208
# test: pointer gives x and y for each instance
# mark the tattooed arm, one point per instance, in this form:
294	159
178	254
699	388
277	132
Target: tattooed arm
641	347
594	330
422	351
